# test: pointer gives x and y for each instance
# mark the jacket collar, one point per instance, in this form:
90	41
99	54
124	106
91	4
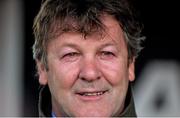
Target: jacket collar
44	104
45	107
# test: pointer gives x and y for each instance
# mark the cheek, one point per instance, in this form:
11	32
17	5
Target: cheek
63	75
115	72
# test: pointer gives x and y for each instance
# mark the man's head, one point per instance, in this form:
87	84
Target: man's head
85	51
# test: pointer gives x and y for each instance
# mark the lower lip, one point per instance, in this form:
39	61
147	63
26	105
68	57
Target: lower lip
91	98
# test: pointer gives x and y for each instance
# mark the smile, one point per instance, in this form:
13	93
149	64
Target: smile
92	93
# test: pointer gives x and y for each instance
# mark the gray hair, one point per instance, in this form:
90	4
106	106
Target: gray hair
58	16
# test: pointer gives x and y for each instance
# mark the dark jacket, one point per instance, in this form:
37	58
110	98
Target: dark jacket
45	107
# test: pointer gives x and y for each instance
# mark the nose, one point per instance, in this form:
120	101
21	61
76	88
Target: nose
89	71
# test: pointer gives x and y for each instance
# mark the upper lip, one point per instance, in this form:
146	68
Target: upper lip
89	91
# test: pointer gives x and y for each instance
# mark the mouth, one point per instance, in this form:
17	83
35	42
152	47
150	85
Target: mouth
91	95
98	93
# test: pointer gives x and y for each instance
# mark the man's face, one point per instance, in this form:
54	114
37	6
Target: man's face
88	77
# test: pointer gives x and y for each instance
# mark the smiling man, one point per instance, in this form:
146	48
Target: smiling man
85	52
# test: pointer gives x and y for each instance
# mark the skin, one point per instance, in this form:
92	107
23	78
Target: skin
78	65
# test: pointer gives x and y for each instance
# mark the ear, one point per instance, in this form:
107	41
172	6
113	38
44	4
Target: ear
42	72
131	70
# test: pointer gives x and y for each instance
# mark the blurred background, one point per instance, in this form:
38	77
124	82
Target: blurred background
157	85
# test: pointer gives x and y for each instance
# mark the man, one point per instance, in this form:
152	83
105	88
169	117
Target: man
85	53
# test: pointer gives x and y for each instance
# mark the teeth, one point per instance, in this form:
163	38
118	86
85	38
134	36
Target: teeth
93	94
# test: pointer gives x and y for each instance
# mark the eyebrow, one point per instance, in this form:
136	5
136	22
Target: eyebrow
107	44
70	45
74	45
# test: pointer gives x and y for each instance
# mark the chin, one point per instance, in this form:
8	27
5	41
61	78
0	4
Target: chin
92	114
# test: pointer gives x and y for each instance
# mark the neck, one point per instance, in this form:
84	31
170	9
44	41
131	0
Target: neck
59	112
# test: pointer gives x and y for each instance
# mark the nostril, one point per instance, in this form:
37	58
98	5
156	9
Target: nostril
85	79
82	78
89	79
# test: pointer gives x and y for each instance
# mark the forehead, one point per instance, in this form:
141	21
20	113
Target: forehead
112	31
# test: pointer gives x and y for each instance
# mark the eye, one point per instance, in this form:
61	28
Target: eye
70	56
107	54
